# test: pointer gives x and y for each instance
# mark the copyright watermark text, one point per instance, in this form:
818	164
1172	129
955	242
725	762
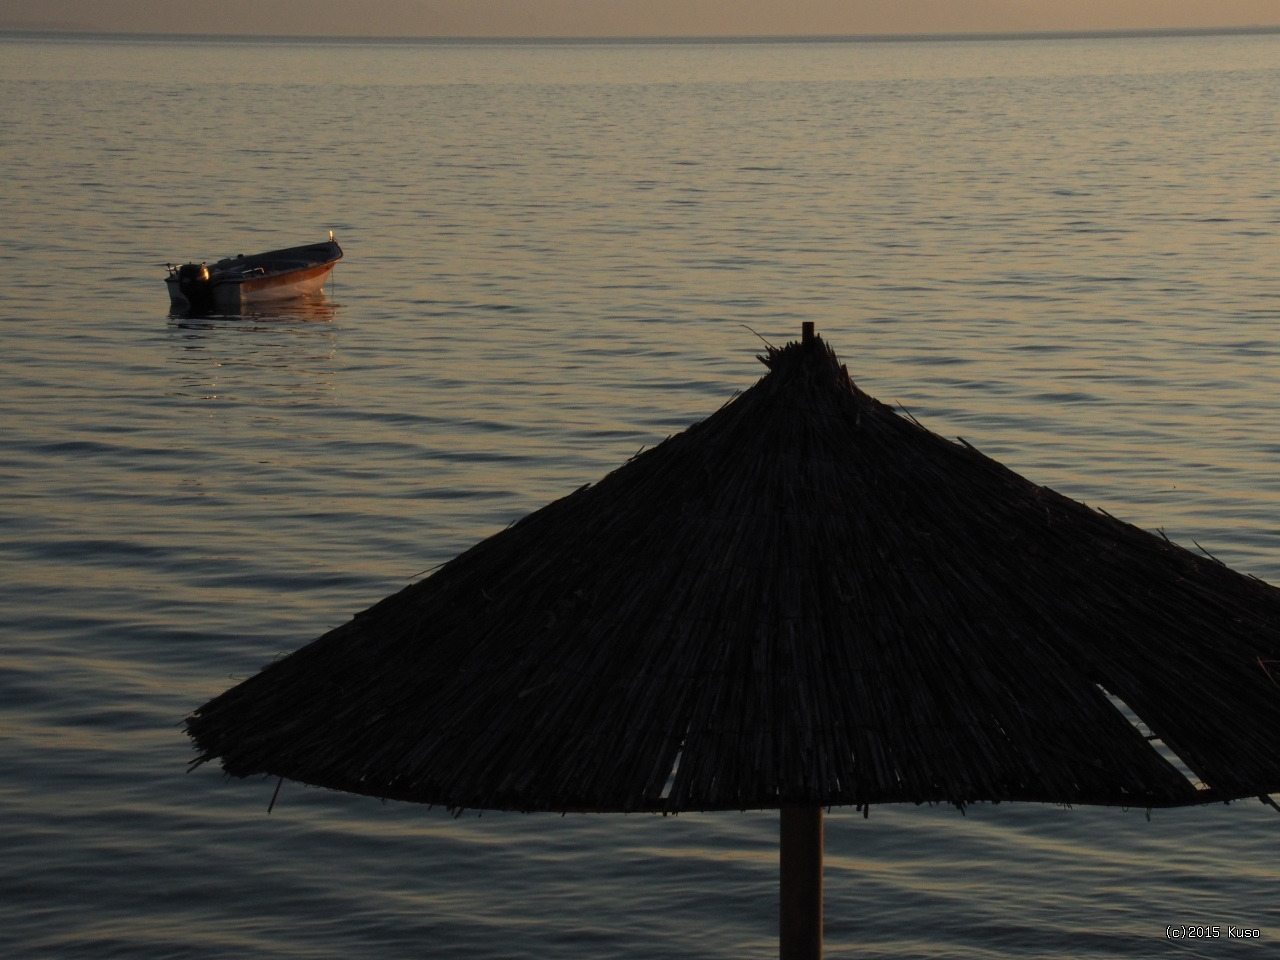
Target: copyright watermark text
1210	931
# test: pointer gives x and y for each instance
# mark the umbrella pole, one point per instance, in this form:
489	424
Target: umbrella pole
800	882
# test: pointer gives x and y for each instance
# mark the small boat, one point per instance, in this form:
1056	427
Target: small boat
239	281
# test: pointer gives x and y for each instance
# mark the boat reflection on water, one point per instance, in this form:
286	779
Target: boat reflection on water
283	354
317	309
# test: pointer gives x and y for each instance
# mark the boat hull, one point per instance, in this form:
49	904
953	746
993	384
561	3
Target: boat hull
238	282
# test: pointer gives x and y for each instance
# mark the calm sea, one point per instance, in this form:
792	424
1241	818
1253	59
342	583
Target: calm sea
1064	251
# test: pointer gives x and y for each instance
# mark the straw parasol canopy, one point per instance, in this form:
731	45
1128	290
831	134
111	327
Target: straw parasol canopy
804	600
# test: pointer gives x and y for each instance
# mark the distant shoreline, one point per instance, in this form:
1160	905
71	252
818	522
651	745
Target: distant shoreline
71	34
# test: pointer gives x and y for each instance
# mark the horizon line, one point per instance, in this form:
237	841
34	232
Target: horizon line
73	33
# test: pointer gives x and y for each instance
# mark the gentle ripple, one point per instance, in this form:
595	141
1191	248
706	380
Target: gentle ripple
557	254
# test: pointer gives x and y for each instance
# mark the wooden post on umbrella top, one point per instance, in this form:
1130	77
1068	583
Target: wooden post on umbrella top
800	883
800	858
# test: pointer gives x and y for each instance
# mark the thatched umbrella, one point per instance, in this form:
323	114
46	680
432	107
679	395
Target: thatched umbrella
804	600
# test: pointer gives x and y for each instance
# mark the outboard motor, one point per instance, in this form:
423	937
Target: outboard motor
195	285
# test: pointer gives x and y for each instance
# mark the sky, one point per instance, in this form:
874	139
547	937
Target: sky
622	18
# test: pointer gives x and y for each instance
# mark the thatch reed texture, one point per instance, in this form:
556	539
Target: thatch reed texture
803	599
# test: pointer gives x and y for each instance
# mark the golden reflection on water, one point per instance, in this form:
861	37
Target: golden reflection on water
295	342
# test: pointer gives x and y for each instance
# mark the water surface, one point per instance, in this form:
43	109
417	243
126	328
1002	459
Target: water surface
1063	251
